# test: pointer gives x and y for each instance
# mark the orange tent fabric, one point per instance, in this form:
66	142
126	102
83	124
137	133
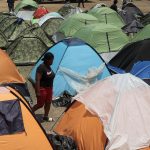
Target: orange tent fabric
33	138
83	127
9	72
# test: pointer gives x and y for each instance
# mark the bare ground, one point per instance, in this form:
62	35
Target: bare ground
144	5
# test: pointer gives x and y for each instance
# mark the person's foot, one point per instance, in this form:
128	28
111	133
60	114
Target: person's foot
47	119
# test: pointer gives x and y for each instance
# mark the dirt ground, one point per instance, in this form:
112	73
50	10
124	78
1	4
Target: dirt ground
144	5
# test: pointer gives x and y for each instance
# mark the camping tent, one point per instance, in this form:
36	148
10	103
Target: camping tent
51	25
19	128
72	73
13	30
25	14
3	41
4	15
107	15
145	20
130	12
84	127
9	75
103	37
143	34
26	49
126	98
49	16
75	22
68	10
30	4
131	54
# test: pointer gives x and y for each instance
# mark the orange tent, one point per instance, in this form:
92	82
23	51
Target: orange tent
9	72
83	127
19	128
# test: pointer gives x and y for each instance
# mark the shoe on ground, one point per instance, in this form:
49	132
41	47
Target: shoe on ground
47	119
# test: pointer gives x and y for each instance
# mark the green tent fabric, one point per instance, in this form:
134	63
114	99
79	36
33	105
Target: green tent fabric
107	15
33	21
6	22
26	3
143	34
14	29
75	22
103	37
4	15
3	40
25	50
37	31
51	25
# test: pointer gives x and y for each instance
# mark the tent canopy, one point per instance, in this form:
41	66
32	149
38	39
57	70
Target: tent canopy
107	15
103	37
72	73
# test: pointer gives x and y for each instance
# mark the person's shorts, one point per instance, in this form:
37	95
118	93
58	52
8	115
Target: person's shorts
45	96
11	5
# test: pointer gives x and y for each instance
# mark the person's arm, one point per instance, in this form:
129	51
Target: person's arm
37	84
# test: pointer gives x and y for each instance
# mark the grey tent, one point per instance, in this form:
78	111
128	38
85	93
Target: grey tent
25	50
67	10
145	20
4	15
130	12
132	27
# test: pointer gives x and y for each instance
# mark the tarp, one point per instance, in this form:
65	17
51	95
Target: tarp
103	37
123	109
66	55
130	12
25	14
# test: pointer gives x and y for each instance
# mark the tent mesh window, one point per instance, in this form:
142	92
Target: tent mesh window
11	121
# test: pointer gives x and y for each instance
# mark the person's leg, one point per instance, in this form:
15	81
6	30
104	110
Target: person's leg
83	3
47	102
9	7
40	100
78	3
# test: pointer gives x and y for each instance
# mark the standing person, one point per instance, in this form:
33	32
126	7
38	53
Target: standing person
44	85
10	5
114	5
81	1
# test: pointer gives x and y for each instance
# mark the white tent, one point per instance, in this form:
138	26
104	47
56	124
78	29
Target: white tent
122	102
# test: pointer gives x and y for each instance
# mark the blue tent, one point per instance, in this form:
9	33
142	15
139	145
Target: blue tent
140	69
75	62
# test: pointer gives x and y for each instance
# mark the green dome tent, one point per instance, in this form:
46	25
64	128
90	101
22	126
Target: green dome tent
103	37
75	22
26	3
25	50
143	34
107	15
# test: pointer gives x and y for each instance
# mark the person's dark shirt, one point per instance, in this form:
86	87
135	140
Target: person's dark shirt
114	7
10	1
47	75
